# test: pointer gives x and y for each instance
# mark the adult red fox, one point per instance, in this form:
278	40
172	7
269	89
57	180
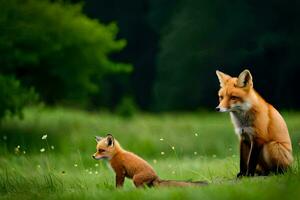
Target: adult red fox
265	144
127	164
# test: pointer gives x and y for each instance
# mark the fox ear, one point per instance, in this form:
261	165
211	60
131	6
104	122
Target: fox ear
110	140
222	77
245	79
98	138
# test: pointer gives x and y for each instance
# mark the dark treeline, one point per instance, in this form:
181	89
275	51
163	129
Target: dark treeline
140	22
176	46
158	54
208	35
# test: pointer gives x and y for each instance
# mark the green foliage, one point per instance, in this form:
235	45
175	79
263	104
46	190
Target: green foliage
14	97
54	47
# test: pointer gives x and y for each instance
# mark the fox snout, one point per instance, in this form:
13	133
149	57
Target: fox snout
221	109
95	156
98	156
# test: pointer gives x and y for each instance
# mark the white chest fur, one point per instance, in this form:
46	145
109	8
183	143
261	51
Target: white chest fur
242	123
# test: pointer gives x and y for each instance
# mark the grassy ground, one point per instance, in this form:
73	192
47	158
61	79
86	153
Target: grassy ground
195	147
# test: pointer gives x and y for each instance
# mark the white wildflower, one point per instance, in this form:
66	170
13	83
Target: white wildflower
44	137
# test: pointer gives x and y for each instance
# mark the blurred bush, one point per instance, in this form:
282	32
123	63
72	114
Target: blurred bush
127	107
54	47
14	97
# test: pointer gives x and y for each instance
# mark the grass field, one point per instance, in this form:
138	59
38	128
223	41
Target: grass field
183	146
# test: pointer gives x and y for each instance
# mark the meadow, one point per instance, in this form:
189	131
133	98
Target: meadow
47	154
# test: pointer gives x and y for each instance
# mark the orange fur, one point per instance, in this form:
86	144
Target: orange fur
127	164
264	138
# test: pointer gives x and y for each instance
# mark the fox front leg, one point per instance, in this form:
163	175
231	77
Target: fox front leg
253	158
246	147
120	178
244	154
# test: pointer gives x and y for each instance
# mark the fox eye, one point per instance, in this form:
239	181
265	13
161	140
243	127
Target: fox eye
101	150
221	97
234	97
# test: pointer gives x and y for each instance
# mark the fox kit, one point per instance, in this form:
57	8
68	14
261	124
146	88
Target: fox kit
127	164
265	144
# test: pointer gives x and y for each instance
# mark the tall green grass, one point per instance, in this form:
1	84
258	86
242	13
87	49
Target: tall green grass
30	178
70	130
208	134
195	146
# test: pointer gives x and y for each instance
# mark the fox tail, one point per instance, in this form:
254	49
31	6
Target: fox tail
174	183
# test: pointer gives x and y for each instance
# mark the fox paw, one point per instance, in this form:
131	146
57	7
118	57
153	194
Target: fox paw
250	174
240	175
